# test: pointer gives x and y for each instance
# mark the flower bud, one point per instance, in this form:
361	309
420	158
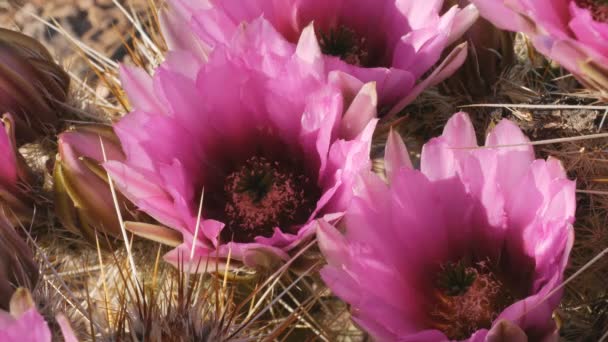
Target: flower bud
17	266
32	85
83	197
14	204
490	51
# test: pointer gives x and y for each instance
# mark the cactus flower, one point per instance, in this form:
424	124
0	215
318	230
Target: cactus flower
259	136
472	247
32	85
84	201
390	42
573	33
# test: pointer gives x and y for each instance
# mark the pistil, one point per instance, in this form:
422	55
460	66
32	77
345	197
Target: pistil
346	44
468	298
262	195
598	8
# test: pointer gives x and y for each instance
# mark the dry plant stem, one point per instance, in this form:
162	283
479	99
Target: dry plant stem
278	297
71	300
122	224
531	106
546	142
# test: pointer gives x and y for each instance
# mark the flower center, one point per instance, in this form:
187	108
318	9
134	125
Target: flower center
262	195
345	43
598	8
468	298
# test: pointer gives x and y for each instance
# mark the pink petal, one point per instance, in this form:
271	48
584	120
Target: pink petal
346	160
459	131
348	84
144	192
138	84
308	49
396	155
497	13
449	65
8	162
360	112
464	19
177	33
438	160
419	13
332	243
587	30
66	329
213	26
29	327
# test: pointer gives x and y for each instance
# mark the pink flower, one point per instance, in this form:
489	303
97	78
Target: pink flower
259	130
572	32
472	247
24	324
13	170
390	42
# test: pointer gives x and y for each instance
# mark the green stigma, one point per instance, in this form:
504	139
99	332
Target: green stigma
256	184
456	278
346	44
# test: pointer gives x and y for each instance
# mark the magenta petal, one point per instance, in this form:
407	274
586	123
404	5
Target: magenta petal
332	243
587	30
459	131
211	230
263	256
346	160
29	327
348	84
360	112
66	329
142	191
497	13
438	160
505	331
184	63
138	84
449	65
308	49
428	42
534	312
316	133
179	37
184	8
514	153
8	161
214	27
464	19
203	261
419	13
